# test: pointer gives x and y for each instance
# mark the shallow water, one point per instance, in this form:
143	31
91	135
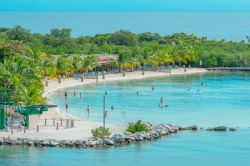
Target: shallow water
186	148
222	100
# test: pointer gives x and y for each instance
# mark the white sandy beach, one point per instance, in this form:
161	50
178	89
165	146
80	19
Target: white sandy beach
82	129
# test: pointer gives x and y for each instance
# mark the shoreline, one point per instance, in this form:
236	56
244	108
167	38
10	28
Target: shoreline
136	75
82	128
54	86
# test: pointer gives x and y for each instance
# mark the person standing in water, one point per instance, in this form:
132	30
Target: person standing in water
153	88
137	93
162	103
66	95
66	107
74	93
112	107
80	95
88	111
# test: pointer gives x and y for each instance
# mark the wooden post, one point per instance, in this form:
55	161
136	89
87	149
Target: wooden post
81	78
104	111
37	128
57	126
45	122
11	129
53	122
61	121
96	77
24	129
103	75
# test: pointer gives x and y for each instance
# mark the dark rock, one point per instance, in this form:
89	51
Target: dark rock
194	128
232	129
220	128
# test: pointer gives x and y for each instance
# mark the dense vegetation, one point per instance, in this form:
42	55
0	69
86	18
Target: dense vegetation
100	132
29	58
139	126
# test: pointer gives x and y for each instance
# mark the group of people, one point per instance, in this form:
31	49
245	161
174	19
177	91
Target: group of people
88	106
161	104
9	123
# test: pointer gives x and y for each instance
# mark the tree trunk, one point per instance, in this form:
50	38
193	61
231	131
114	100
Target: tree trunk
142	70
59	78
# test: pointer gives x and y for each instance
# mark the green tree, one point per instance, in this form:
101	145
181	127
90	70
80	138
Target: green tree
123	37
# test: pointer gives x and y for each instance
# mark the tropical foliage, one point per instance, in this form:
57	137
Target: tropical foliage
101	132
28	59
139	126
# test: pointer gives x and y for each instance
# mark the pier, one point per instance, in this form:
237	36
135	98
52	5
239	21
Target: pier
229	69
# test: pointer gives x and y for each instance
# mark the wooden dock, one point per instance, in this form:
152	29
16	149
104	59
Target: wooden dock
229	69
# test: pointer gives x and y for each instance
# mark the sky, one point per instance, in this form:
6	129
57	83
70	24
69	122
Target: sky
124	5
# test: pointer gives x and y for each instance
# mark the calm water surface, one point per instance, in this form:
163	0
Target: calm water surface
224	101
184	149
214	25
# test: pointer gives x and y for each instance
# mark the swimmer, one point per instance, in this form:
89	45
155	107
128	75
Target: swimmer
153	88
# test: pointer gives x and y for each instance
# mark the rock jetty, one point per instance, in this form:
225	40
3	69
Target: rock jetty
156	131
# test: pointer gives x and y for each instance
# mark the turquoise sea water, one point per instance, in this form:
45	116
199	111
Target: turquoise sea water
184	149
214	25
224	101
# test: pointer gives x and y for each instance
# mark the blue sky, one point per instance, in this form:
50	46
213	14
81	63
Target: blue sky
122	5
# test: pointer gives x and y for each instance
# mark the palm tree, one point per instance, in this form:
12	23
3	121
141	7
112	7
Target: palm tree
142	58
20	75
89	63
154	60
63	65
77	62
33	96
